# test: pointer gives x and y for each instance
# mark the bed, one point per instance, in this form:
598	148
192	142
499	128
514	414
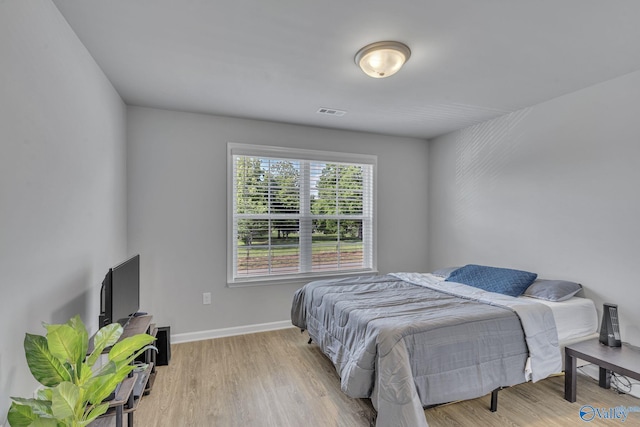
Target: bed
411	340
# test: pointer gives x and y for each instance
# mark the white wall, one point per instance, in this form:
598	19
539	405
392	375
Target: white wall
62	182
177	212
552	189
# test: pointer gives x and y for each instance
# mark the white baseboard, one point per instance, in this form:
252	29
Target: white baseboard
227	332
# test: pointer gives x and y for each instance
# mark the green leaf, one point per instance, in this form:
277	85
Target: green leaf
84	374
102	386
106	369
46	422
44	394
95	412
124	370
125	348
76	323
64	402
135	355
105	337
45	367
38	406
20	415
65	343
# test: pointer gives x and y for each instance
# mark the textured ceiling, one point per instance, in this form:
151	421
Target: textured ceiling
282	60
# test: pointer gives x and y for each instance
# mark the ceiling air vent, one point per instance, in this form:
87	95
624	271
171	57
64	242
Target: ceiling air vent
332	112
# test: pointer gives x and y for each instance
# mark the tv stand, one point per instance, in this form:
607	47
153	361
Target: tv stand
138	384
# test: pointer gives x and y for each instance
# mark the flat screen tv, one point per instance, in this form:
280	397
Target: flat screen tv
120	293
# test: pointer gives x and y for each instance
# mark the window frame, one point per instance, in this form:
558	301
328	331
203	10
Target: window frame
254	150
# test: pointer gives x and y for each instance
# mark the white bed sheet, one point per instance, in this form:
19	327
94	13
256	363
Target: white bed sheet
575	318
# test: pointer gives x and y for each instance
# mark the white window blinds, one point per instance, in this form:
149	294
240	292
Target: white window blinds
299	213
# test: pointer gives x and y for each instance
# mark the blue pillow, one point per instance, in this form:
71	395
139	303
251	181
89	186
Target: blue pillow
493	279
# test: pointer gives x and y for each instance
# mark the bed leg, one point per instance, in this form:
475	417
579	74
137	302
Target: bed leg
494	399
310	340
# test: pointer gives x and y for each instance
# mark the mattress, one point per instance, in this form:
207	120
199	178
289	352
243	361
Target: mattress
576	318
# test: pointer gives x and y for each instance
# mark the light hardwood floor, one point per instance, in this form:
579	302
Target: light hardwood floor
275	379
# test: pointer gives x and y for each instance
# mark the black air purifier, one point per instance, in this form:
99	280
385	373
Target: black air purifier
610	328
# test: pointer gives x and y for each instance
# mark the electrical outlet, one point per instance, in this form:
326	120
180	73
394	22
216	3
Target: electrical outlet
206	298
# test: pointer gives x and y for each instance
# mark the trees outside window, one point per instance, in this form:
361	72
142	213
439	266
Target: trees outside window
299	216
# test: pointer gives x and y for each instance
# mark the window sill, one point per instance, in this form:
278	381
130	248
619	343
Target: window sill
300	279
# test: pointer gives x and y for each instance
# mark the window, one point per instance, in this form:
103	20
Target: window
299	213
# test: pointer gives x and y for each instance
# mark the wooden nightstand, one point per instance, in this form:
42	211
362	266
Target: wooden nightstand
623	360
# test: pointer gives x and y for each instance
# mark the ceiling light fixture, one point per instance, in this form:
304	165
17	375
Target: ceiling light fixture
382	59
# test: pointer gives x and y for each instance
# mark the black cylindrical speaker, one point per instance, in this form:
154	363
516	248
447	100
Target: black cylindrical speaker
164	346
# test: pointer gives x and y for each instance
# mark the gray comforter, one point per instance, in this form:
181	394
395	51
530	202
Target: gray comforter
407	340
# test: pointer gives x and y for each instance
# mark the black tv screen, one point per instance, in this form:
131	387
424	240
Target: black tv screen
120	297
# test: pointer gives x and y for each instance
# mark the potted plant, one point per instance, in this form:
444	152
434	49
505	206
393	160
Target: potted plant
74	388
